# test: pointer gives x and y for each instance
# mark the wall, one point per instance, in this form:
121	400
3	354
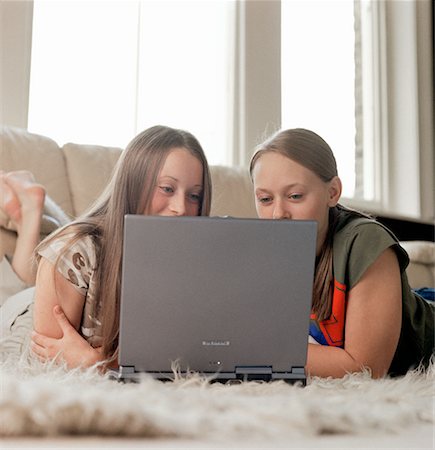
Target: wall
15	55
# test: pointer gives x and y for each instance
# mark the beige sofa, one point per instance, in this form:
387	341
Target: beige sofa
74	176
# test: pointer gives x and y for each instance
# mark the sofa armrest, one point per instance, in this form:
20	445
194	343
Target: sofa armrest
421	269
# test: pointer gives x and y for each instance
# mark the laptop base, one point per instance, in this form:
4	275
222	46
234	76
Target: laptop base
241	374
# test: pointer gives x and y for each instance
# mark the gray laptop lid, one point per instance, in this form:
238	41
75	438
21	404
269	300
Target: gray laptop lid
218	295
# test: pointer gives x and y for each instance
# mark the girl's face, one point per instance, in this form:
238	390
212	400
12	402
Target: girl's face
285	189
178	191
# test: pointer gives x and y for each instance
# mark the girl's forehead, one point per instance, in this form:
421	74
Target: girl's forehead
179	155
181	164
277	163
275	169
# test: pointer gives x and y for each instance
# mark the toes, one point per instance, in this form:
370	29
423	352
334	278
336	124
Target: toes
9	202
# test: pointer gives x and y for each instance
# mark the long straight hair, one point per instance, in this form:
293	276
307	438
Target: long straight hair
311	151
129	191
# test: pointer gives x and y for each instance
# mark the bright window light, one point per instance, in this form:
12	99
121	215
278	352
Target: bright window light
83	71
184	71
318	76
102	71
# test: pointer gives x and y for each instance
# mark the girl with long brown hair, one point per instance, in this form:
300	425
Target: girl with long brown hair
163	171
364	314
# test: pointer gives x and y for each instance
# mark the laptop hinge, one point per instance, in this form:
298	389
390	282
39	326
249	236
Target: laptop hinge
247	373
266	373
294	375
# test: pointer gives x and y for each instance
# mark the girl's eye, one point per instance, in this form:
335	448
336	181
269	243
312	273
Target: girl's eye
196	198
295	196
264	200
167	189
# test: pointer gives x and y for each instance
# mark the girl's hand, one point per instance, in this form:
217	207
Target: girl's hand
71	347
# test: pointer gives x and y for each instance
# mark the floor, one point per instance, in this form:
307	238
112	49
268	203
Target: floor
422	437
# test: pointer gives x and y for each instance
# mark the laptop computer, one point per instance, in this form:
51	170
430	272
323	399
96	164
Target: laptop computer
226	297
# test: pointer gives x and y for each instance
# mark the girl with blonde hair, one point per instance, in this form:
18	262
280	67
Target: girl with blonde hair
364	314
163	171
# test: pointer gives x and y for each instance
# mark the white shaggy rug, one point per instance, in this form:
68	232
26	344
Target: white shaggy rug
37	400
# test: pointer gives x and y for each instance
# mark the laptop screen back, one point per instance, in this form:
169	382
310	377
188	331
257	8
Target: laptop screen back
215	294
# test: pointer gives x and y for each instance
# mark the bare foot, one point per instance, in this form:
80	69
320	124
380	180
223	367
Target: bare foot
23	202
23	196
9	202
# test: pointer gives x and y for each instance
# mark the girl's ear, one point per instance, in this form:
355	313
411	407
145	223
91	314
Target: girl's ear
334	191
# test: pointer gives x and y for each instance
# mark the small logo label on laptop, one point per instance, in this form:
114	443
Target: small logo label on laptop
216	343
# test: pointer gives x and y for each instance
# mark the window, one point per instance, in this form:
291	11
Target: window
318	76
83	71
303	66
232	72
184	67
102	71
359	72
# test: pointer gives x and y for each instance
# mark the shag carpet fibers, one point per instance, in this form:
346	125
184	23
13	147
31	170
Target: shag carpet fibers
44	400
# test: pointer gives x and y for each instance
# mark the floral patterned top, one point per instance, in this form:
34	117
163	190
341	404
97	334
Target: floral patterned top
78	266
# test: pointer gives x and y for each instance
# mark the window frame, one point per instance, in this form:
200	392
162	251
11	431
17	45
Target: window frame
404	181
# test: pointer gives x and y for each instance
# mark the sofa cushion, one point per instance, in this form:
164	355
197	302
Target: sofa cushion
233	194
422	252
21	150
89	169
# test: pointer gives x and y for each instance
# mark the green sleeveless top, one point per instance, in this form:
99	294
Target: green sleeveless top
358	242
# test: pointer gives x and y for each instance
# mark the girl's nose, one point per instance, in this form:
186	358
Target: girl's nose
279	211
178	205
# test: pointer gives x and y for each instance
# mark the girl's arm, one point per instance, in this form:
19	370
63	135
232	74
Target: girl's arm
50	337
53	289
373	323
